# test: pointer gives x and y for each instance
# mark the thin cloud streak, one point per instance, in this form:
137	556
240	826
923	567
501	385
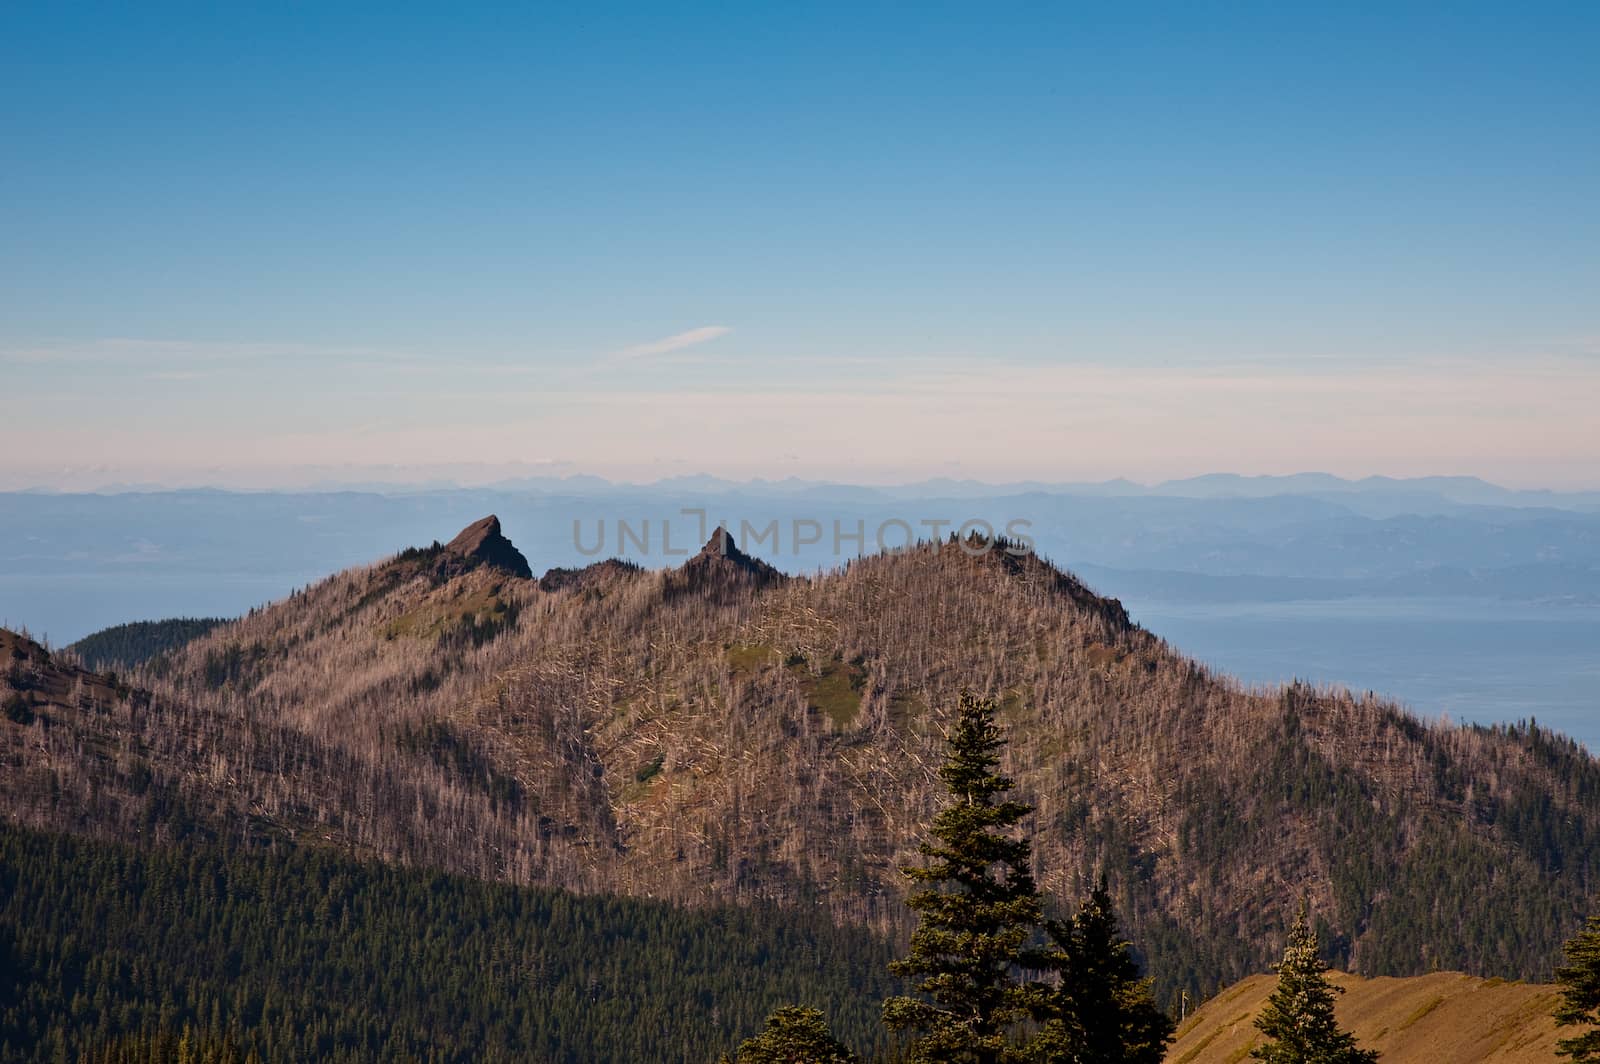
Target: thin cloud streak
676	342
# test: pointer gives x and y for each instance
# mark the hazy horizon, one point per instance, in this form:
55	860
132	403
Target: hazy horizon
509	476
839	244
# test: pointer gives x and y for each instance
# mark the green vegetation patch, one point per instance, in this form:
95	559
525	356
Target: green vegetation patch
747	658
475	618
1195	1052
835	691
1422	1010
647	781
647	771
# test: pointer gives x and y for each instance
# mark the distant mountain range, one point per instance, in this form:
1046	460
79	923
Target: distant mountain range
1408	491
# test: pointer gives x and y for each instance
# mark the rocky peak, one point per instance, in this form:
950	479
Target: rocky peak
722	545
482	543
721	566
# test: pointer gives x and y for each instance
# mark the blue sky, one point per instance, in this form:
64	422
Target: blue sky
1003	241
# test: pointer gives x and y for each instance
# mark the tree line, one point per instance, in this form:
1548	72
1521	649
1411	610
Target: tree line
125	646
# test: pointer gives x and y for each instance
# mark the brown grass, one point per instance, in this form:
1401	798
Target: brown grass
1427	1019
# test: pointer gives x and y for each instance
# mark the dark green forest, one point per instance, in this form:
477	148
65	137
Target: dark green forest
1494	895
301	954
123	646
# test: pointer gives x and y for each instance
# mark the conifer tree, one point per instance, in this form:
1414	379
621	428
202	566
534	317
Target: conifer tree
977	907
1298	1020
795	1035
1100	1011
1580	994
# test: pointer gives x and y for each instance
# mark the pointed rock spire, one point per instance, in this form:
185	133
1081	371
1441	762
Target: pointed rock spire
721	567
483	543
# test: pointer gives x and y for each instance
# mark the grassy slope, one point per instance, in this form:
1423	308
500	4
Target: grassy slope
1445	1016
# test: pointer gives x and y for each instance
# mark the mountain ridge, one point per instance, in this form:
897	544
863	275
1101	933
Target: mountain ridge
739	740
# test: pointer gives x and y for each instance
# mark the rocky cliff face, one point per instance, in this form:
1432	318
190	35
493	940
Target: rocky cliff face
482	543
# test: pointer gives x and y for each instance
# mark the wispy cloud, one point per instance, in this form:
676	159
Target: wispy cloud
676	342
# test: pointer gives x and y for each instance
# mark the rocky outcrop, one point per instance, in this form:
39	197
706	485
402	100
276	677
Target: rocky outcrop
721	567
587	577
481	543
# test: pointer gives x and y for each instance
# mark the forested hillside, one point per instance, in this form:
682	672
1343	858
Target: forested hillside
126	645
303	954
717	734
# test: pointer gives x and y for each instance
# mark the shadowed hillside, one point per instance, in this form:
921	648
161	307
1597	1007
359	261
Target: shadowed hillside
1426	1019
716	733
302	954
126	645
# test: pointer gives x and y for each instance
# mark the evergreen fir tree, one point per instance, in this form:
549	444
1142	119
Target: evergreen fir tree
795	1035
1580	994
1100	1011
977	907
1298	1020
